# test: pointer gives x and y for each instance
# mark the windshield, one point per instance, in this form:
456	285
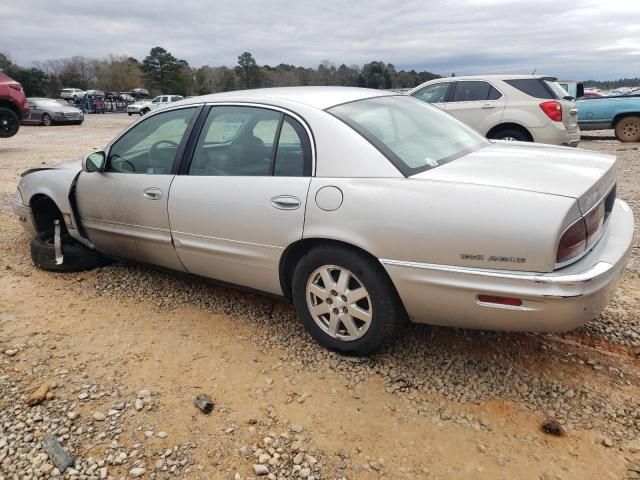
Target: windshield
49	103
414	136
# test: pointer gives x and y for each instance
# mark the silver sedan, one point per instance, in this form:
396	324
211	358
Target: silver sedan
364	208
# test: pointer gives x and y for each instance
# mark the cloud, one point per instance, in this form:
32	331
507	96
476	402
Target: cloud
578	40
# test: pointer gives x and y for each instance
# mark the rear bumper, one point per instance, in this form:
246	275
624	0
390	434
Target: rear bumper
555	133
556	301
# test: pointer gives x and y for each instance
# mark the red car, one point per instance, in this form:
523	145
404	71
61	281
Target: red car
13	106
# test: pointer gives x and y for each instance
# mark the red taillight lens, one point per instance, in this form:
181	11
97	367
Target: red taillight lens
510	301
595	220
552	109
573	242
15	86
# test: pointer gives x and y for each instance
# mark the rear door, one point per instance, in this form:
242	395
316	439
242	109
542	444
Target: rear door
477	103
240	200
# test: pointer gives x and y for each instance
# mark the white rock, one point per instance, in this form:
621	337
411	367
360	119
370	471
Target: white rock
137	472
144	393
260	470
98	417
162	434
139	404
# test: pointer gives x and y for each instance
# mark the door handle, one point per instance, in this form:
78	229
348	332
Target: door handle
488	106
152	193
285	202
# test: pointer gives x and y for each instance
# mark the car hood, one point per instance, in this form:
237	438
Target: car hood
75	164
569	172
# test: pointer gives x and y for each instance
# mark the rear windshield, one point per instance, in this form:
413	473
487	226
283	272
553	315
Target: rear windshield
538	88
413	135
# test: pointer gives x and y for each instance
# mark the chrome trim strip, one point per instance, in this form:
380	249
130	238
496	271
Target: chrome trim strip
585	276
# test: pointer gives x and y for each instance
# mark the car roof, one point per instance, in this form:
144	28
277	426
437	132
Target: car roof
318	97
495	77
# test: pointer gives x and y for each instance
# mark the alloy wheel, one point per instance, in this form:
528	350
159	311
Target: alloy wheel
339	303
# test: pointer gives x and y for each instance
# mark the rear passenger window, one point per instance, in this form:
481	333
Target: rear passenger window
494	94
533	87
293	155
471	91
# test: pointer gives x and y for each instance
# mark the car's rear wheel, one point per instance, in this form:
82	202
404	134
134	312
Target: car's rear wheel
510	134
76	257
129	113
346	300
144	111
46	120
628	129
9	123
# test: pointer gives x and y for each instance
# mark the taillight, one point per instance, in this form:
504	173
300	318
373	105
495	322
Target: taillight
595	220
573	242
552	109
15	86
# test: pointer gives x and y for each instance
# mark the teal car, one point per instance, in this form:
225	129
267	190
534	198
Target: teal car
622	114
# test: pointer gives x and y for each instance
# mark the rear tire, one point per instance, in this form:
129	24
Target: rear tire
628	129
510	134
367	292
9	123
76	257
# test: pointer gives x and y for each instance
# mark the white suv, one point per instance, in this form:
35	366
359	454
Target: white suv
528	108
142	107
72	94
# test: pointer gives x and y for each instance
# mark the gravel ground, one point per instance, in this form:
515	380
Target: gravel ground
588	380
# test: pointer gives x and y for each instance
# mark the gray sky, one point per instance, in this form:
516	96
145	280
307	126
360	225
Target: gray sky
585	39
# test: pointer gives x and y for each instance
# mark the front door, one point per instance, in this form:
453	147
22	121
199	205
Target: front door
123	209
241	200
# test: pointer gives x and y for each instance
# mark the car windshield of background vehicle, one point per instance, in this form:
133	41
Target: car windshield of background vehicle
414	136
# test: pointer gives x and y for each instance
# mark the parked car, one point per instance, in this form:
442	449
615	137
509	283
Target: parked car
507	107
621	113
143	107
13	106
47	111
72	93
363	207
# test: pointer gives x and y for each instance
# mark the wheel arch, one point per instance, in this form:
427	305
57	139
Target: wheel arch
509	125
620	116
45	210
11	106
294	252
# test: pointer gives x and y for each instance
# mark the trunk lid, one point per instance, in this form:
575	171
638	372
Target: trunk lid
569	172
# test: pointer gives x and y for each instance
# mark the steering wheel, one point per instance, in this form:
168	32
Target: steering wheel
118	163
156	153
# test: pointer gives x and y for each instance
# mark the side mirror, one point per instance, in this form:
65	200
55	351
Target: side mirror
94	162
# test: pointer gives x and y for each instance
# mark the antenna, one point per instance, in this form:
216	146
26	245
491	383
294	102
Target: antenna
534	71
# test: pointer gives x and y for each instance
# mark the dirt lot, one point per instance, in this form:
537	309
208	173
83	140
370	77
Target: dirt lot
125	349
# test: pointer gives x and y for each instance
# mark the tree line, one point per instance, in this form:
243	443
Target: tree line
162	72
613	84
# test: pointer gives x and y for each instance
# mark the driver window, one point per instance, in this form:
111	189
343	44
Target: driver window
236	141
151	146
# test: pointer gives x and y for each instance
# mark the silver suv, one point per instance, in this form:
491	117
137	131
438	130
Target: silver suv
528	108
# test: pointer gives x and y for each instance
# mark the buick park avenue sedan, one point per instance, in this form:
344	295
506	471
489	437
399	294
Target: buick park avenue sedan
364	208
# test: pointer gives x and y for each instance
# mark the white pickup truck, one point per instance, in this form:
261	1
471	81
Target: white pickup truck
142	107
